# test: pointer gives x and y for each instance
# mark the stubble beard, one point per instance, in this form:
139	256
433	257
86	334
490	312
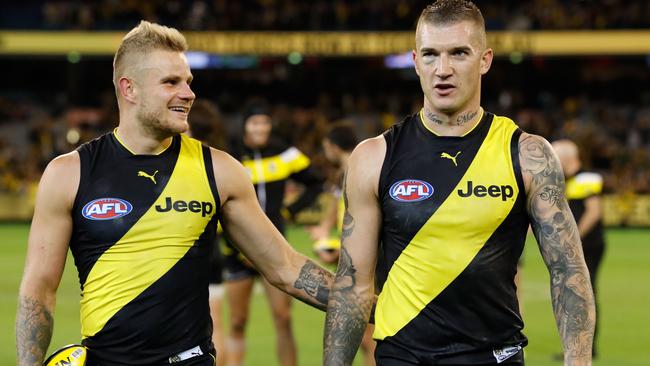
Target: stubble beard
153	123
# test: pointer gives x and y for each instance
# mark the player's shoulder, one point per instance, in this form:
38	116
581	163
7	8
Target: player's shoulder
223	161
64	164
61	177
370	149
229	174
364	167
534	146
539	164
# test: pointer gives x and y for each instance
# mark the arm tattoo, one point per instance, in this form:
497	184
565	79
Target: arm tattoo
347	316
316	282
34	324
535	154
559	243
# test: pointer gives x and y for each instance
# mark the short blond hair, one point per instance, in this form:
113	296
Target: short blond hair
446	12
144	38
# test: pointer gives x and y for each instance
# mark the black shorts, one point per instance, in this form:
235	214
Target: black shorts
207	359
388	354
216	263
235	266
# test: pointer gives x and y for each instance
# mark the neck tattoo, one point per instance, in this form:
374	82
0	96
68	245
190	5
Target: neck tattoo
466	117
433	117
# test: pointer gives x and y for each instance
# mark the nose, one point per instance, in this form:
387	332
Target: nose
444	68
187	93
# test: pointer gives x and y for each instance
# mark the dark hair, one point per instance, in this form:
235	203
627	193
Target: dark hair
207	125
342	135
452	11
254	108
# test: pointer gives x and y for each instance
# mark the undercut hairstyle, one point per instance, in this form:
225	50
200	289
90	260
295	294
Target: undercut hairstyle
143	39
447	12
343	135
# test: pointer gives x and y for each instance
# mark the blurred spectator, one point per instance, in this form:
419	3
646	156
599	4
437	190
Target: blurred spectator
317	14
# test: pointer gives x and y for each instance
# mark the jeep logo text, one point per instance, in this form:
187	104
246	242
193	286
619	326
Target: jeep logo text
205	208
504	192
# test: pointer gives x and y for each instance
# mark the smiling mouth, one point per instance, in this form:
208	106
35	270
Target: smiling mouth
179	109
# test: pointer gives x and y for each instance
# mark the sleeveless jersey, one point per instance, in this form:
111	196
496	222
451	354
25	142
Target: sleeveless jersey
454	227
578	189
142	230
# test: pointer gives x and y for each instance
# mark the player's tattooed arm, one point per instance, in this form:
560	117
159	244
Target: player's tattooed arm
34	324
316	283
559	242
347	317
348	308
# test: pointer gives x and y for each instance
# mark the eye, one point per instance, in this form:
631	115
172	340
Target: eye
460	53
170	81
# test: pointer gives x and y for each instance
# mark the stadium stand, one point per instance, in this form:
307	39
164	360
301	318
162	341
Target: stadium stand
588	99
316	15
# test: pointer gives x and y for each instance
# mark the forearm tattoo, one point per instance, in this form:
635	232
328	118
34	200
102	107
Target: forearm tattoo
34	324
347	316
316	282
559	243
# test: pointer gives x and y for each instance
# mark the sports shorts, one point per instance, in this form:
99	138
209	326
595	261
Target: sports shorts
189	357
389	354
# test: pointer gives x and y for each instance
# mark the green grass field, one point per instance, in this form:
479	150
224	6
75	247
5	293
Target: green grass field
624	298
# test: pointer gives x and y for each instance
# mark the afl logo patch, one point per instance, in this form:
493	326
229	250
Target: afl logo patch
410	190
106	209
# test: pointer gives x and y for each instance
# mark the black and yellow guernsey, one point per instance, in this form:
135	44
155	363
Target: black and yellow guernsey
142	230
579	188
454	226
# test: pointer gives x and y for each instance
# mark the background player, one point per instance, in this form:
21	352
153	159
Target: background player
270	163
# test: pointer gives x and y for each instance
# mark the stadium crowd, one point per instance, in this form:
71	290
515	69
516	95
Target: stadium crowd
315	15
614	138
587	101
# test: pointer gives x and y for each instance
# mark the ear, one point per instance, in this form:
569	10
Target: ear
486	60
127	89
415	62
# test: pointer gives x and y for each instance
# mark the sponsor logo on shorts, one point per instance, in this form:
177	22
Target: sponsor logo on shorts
505	353
410	190
106	209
